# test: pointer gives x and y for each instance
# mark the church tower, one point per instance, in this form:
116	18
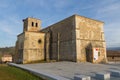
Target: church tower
31	24
30	43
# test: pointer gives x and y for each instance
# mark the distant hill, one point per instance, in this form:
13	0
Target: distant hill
7	50
113	55
114	48
112	52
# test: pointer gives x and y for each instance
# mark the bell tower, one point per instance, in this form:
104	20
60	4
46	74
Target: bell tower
31	24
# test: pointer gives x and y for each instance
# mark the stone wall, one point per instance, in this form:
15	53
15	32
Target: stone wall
71	38
18	57
29	47
89	33
33	47
62	39
113	59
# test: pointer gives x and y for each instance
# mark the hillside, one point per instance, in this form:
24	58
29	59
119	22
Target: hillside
113	53
114	48
7	50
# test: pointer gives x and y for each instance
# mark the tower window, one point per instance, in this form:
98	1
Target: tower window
36	24
32	23
39	41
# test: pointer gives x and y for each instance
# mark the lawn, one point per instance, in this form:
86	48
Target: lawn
12	73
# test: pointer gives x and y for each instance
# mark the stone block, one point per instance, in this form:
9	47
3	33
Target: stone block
115	73
102	76
82	77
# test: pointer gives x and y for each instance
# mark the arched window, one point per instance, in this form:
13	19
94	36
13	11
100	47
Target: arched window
36	24
32	24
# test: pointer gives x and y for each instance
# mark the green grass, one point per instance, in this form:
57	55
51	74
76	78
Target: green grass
12	73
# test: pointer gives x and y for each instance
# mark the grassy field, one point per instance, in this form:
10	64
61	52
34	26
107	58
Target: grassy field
12	73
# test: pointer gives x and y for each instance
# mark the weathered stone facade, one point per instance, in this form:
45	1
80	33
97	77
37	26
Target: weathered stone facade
76	38
30	43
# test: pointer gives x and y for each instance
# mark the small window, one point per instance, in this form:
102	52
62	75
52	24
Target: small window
36	24
32	23
39	41
112	57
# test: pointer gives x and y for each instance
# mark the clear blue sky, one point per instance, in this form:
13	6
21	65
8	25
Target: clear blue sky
51	11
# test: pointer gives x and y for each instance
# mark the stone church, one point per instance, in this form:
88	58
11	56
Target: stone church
76	38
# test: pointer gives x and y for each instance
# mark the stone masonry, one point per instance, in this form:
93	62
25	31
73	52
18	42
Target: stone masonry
75	38
30	43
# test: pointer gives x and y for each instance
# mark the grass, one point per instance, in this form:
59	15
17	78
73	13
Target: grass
12	73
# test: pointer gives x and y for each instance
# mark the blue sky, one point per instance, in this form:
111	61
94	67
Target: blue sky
12	12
